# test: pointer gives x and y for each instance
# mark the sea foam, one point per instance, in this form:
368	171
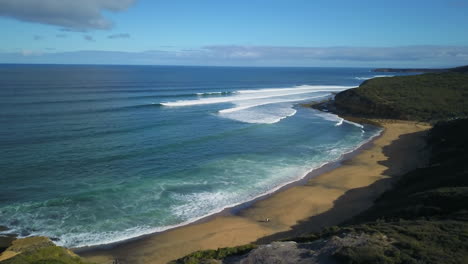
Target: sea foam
264	106
339	121
375	76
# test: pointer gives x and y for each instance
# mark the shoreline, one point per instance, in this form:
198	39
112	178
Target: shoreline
245	223
235	209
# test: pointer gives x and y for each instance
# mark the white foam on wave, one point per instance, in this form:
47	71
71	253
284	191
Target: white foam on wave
212	93
330	117
329	88
256	106
354	124
339	121
378	76
244	95
251	105
259	116
258	111
375	76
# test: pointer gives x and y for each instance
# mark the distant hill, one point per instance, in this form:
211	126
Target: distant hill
422	70
417	70
427	97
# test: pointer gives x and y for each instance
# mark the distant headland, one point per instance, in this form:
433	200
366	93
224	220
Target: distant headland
422	70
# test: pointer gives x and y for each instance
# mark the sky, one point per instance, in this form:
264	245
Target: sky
333	33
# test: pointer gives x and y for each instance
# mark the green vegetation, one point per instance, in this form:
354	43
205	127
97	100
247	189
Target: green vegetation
427	97
414	241
38	250
463	69
421	70
46	255
221	253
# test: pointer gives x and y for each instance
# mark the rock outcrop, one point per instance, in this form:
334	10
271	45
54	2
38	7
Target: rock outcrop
316	252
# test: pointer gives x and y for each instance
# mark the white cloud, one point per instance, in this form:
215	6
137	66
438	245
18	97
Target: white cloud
27	53
73	15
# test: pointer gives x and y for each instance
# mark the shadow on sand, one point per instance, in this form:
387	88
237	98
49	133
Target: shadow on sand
358	200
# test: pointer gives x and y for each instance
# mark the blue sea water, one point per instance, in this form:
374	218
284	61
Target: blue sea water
97	154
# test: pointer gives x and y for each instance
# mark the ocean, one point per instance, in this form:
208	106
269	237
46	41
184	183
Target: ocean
98	154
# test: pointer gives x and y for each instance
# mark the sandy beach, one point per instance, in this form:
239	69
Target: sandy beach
325	200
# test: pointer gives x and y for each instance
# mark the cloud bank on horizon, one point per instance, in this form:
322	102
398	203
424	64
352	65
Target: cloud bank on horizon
71	15
339	53
259	56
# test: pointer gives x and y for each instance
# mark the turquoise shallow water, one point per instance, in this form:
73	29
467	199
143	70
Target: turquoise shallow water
98	154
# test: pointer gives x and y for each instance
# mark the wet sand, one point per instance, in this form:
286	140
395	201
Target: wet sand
325	200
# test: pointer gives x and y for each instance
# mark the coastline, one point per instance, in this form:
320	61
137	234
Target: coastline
234	209
289	207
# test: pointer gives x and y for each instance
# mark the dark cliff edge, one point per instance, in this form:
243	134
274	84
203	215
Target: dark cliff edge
421	70
424	217
415	70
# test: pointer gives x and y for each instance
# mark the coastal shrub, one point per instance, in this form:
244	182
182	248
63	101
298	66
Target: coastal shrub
47	255
366	255
421	241
221	253
427	97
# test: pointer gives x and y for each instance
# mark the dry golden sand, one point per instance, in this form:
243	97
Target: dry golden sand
325	200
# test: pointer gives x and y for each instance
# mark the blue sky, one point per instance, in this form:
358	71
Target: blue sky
429	33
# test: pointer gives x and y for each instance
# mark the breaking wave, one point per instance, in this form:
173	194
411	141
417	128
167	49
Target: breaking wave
263	106
371	77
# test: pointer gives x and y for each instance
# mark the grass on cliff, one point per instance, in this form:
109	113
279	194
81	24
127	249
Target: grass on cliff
46	255
426	97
